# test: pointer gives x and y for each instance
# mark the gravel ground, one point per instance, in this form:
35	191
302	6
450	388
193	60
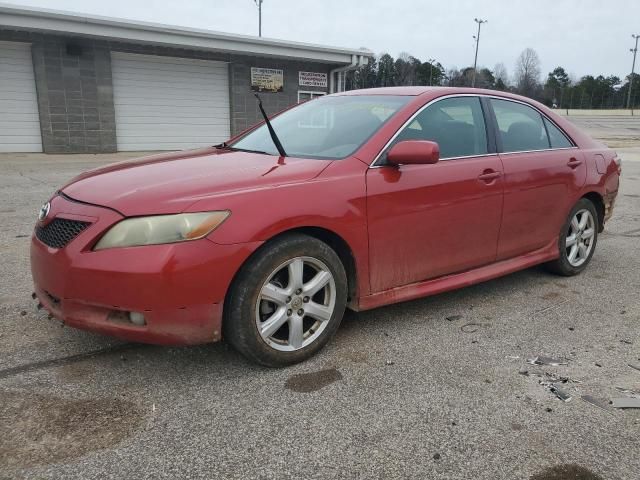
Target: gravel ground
437	388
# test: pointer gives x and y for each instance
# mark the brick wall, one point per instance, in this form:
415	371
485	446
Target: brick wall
75	92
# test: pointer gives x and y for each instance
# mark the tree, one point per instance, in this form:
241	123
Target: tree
363	77
405	69
528	73
558	78
596	92
386	71
430	73
467	76
555	88
635	91
501	75
485	79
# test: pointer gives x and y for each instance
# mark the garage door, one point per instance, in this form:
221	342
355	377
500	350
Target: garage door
19	121
166	103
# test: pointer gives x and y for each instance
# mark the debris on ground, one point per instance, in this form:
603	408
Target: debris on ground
453	318
542	360
561	394
598	402
598	364
635	366
436	456
629	391
624	340
549	380
470	327
625	402
390	362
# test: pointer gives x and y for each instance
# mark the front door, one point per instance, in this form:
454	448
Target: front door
426	221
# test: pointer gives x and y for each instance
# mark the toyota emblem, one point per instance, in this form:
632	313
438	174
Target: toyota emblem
44	211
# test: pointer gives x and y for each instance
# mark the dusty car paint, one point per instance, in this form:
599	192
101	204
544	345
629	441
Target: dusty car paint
411	231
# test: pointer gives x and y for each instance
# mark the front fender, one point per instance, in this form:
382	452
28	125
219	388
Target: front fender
334	201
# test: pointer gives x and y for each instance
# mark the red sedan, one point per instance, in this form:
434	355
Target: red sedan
357	200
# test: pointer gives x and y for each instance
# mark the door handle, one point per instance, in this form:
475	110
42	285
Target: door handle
574	163
489	176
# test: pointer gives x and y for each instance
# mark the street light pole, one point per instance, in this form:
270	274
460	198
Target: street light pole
633	68
475	60
259	4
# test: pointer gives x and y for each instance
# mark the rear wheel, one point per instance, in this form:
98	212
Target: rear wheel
287	301
577	241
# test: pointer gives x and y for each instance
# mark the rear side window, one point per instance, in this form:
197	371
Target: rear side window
520	127
455	124
556	137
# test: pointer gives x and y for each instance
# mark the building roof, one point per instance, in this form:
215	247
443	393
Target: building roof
61	22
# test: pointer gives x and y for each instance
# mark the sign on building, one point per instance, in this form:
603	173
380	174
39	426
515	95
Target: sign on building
267	79
312	79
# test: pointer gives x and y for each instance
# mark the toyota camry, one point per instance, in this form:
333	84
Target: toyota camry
352	200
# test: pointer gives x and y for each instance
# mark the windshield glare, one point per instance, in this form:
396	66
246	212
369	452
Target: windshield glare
326	127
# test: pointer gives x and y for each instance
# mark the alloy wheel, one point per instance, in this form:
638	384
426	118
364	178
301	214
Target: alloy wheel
295	304
579	241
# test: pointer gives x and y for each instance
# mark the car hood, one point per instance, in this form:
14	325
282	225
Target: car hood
171	182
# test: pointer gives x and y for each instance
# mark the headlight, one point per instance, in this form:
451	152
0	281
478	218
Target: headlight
161	229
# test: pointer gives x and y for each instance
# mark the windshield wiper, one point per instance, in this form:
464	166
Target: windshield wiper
272	132
226	146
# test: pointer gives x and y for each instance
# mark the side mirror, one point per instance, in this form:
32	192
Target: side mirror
414	152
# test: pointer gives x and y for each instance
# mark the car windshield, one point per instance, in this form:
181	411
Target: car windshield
326	127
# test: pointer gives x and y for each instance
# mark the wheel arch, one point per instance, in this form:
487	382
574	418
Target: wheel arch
597	200
335	241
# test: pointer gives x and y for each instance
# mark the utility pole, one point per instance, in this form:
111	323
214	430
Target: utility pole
431	60
259	4
633	68
475	61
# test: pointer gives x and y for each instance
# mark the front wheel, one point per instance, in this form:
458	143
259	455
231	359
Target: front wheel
577	241
287	301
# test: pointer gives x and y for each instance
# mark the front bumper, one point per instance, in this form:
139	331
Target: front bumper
179	288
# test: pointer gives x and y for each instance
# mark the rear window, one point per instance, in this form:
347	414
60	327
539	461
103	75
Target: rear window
520	127
556	137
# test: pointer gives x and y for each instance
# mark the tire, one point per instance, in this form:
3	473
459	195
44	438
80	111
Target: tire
264	298
585	211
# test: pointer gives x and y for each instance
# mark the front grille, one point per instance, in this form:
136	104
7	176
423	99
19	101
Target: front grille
60	231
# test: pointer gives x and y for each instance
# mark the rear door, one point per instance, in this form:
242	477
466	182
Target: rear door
543	172
426	221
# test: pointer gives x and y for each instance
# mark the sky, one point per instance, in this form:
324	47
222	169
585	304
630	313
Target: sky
583	36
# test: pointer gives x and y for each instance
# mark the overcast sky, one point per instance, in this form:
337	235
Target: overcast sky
584	36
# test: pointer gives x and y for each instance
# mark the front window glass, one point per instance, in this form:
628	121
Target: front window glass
326	127
455	124
521	127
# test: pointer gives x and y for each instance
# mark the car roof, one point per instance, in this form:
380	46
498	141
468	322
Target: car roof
434	92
